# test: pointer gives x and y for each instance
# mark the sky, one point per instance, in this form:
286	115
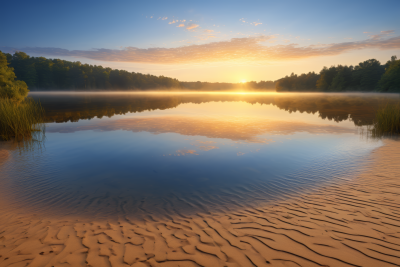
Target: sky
213	41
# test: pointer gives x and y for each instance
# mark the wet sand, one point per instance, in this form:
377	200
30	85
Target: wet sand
4	154
356	223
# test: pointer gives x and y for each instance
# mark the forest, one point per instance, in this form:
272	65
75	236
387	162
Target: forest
40	73
367	76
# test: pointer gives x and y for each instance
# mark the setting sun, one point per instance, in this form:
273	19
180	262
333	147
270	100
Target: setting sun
243	81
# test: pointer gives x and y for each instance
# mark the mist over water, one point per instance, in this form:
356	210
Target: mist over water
109	155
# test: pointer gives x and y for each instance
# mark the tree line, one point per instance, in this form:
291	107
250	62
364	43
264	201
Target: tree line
369	75
56	74
40	73
207	86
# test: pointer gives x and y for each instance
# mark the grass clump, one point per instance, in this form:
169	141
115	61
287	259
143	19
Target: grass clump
387	120
21	120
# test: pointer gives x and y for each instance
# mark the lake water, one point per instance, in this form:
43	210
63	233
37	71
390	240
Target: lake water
116	154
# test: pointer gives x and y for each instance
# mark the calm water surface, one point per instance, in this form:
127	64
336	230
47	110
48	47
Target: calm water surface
164	154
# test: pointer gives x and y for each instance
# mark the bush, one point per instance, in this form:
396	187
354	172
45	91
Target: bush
9	87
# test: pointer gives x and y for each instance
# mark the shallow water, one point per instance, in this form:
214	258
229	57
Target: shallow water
163	154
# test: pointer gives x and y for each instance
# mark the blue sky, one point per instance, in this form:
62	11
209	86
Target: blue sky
205	40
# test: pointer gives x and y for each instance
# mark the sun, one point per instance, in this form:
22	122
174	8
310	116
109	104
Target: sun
243	81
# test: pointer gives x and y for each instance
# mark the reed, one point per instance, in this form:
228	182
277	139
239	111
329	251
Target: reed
387	120
21	120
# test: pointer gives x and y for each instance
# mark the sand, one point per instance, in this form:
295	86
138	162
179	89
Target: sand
4	154
356	223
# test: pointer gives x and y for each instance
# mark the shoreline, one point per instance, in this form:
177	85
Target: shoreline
354	224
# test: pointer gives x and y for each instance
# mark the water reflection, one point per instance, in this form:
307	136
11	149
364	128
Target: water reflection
141	154
359	108
248	129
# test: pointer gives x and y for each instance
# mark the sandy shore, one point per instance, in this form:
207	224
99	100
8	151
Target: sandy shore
4	154
354	224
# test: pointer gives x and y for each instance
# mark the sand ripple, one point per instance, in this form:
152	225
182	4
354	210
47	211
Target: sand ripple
353	224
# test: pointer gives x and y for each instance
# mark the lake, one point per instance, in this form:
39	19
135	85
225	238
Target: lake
106	155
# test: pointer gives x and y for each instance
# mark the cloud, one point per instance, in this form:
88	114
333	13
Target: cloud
181	25
174	21
206	36
191	26
387	32
208	31
381	35
237	49
246	129
207	148
256	23
184	152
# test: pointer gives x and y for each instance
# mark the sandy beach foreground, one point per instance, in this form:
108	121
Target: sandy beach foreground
354	224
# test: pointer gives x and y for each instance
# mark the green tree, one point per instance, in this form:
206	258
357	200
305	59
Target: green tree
9	87
326	77
367	74
342	80
390	81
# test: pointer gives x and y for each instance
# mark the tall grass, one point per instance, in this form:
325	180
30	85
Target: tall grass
21	120
387	120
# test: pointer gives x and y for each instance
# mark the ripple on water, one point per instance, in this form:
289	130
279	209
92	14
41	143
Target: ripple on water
53	183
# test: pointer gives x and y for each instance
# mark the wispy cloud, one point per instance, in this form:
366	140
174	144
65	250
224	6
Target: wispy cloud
181	25
381	34
183	152
238	49
191	26
246	129
174	21
205	36
255	23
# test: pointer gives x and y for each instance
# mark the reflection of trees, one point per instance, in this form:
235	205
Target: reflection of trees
359	109
62	108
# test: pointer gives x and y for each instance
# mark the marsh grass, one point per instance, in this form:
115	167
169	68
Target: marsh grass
387	120
21	121
386	123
